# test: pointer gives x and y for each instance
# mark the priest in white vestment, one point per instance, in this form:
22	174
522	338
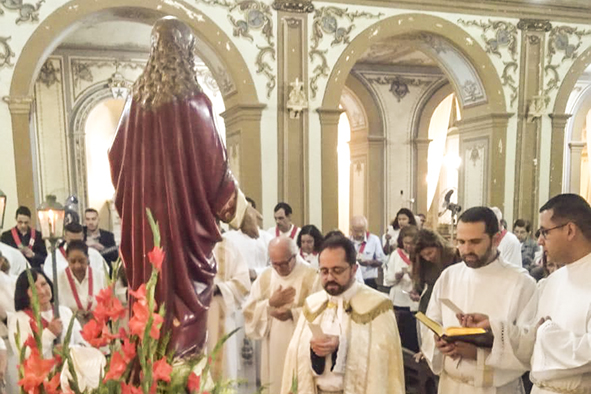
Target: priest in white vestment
274	306
74	232
346	341
556	345
18	262
231	286
482	282
79	283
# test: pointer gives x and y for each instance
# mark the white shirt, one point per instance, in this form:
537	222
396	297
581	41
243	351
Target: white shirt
18	262
95	260
335	321
510	249
399	292
66	293
371	251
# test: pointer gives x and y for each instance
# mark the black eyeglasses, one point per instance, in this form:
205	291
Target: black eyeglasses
544	231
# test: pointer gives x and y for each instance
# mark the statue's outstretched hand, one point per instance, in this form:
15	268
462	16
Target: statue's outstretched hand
250	222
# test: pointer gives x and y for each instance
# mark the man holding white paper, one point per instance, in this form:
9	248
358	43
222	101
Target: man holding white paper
482	283
346	340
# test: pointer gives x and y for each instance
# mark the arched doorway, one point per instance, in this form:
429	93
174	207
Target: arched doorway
214	48
480	100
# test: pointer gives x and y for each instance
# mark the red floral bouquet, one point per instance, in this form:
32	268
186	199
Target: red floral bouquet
117	355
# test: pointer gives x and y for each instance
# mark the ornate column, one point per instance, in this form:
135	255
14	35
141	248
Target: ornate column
292	115
243	122
20	111
329	118
556	156
576	149
422	168
530	109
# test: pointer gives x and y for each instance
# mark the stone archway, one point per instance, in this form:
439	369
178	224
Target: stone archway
243	110
484	114
560	118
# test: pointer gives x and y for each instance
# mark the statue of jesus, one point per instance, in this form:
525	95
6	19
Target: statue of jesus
167	156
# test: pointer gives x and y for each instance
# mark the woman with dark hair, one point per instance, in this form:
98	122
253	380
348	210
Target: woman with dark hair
398	275
79	283
52	327
309	241
404	217
432	255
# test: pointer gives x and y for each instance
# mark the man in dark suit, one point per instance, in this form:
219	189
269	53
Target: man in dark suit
101	240
26	239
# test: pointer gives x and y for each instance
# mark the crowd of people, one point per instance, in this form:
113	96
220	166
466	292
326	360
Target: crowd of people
332	313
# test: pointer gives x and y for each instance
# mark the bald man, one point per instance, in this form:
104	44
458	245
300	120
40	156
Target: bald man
274	306
370	255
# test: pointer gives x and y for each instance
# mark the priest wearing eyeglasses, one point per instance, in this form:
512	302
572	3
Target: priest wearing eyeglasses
346	340
274	306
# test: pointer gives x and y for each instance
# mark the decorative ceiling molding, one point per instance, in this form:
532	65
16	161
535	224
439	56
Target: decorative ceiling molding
300	6
49	73
254	16
565	40
26	12
399	85
6	53
326	22
500	39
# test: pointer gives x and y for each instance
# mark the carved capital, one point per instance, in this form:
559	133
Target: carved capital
559	120
330	116
18	105
534	25
300	7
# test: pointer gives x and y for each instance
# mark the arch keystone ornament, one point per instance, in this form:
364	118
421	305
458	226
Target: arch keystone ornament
300	7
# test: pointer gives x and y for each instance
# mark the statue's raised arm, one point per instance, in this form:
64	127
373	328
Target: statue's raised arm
168	156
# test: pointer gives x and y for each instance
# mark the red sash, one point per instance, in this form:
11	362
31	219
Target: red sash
304	257
292	235
404	257
63	251
18	241
29	313
362	248
75	292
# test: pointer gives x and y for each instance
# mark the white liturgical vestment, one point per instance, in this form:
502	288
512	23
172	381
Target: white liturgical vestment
369	356
275	334
225	315
18	262
253	250
510	249
75	291
499	290
561	350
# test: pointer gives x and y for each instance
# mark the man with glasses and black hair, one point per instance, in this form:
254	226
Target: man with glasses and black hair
347	340
484	282
274	305
556	345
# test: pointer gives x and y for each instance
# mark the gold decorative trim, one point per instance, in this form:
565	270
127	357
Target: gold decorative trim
6	53
326	21
364	318
311	316
26	12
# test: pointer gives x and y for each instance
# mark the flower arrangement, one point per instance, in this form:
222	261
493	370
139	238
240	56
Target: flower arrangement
128	361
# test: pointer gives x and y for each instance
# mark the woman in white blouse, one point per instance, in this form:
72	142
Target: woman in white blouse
79	283
20	321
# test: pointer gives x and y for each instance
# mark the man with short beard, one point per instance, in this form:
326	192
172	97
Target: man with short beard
346	340
484	282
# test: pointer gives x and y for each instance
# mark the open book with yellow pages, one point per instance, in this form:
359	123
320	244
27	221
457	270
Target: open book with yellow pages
476	336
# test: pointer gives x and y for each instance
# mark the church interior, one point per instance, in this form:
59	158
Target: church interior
339	108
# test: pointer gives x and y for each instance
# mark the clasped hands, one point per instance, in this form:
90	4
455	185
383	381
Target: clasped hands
279	301
324	345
